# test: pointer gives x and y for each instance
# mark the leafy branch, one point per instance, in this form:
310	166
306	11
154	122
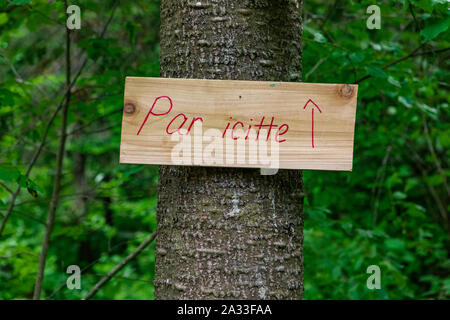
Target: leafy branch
120	266
48	125
414	53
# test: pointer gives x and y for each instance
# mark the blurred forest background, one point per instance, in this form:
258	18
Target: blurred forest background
391	211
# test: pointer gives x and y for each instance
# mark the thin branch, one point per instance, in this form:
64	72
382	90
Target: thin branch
57	182
414	53
118	277
19	78
119	267
314	68
19	253
40	148
413	15
329	13
48	125
433	154
28	217
441	207
100	130
379	180
93	263
58	176
6	187
9	210
81	127
30	8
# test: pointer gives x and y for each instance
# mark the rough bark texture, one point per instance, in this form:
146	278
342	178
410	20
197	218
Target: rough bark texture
230	233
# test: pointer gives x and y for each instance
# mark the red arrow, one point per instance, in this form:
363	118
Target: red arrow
312	125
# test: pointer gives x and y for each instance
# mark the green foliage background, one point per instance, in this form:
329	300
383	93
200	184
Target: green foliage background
391	211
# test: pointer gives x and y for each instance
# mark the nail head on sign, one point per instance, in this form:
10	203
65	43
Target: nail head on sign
129	108
345	91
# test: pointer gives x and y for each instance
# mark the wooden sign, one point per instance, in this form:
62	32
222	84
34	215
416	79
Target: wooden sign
229	123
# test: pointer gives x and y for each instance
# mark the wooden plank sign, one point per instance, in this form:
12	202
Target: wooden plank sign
228	123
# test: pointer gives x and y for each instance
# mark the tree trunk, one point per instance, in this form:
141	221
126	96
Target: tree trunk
228	233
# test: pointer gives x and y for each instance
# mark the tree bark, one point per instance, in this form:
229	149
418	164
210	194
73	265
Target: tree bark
226	233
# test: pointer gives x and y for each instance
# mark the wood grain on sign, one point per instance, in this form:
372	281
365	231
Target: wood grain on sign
232	123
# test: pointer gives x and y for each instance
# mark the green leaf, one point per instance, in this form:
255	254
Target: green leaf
432	31
444	138
3	18
376	72
32	187
19	2
318	36
9	174
394	82
22	181
399	195
33	193
6	97
406	101
396	244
